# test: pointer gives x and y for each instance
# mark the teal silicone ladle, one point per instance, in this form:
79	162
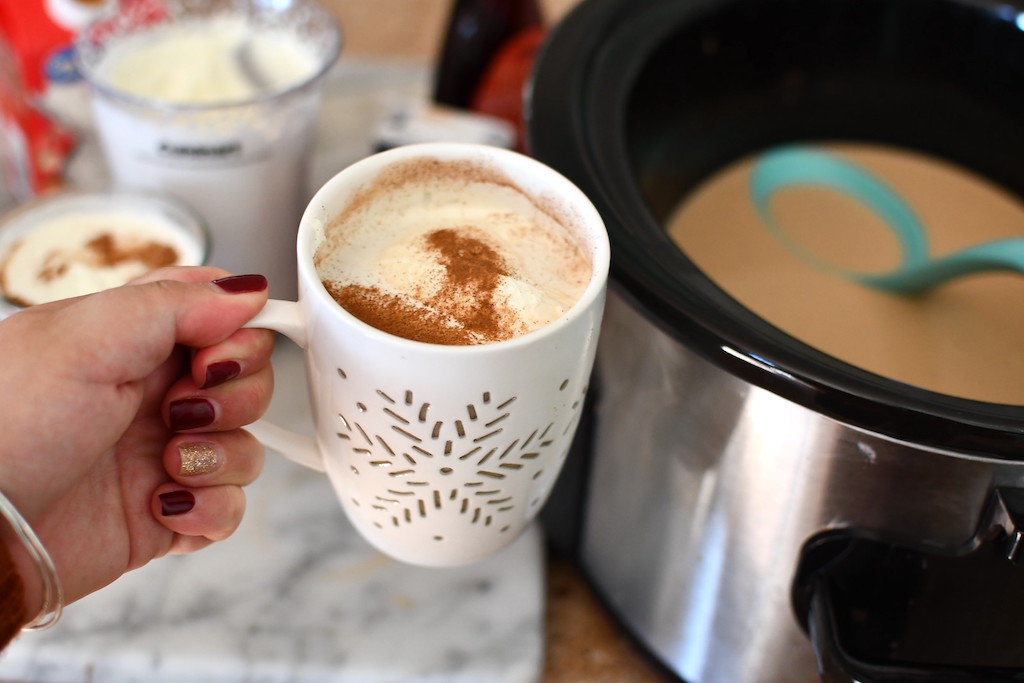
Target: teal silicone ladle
792	166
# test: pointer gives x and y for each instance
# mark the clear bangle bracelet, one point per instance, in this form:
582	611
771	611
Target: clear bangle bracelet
53	591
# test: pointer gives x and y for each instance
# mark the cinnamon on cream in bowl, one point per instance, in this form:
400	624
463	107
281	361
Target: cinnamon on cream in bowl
70	244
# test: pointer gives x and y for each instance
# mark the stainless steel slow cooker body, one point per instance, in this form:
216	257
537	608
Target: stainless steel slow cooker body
738	478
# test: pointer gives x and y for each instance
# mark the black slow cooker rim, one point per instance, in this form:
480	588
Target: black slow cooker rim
564	106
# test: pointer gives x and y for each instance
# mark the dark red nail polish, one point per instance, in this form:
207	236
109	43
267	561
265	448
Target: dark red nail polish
242	284
176	503
190	413
220	372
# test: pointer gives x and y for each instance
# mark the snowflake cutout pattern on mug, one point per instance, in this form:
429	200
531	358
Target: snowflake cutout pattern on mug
469	464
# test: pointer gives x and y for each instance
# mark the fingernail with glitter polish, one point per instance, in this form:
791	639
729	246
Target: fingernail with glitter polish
198	457
176	503
220	372
190	413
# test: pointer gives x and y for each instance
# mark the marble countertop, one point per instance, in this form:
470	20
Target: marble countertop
295	594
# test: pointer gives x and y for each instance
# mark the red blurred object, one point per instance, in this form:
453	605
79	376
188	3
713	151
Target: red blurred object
39	44
33	147
486	59
502	86
41	91
477	30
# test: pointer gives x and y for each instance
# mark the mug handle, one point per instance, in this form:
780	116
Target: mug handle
285	317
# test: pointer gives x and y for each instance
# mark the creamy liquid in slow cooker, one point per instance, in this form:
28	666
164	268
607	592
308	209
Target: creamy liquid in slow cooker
964	338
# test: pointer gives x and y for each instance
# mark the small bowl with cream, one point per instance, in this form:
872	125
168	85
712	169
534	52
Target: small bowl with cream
69	244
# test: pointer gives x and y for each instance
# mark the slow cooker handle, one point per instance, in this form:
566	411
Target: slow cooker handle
836	665
1001	535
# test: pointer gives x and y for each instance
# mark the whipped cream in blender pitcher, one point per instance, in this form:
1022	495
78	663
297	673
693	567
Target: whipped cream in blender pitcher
216	61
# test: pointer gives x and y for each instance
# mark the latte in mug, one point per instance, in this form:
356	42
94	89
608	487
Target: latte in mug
442	453
451	252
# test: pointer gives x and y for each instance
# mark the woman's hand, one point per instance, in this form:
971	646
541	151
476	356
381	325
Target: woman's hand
121	416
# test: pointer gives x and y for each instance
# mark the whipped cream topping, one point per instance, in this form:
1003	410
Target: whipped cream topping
454	252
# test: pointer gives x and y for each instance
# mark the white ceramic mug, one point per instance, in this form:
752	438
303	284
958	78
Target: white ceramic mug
440	455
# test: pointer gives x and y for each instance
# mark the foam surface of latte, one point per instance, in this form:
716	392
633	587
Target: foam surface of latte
447	261
78	253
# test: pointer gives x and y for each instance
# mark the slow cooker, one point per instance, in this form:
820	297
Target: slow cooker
752	508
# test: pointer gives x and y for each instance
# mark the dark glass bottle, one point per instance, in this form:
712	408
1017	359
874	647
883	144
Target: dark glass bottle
477	29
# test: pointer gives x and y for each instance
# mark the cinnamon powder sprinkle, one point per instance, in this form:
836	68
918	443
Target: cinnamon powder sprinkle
462	311
104	251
